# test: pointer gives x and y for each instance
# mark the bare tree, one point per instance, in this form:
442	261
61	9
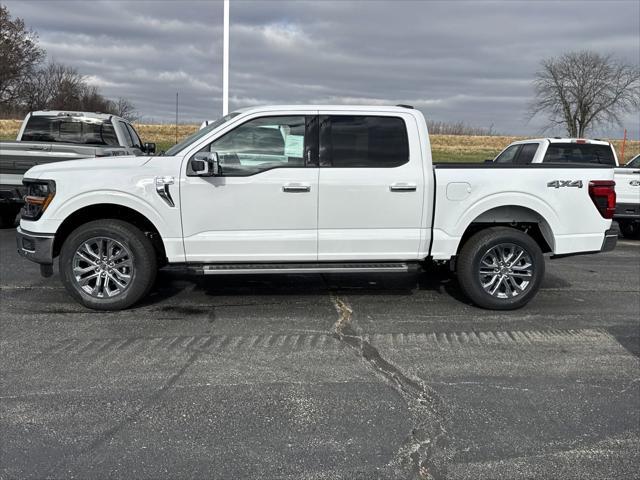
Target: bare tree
19	55
582	89
123	107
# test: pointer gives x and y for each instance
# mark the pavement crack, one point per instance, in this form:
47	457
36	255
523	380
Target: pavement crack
425	450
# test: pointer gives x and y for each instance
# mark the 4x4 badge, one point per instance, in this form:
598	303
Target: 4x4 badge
565	183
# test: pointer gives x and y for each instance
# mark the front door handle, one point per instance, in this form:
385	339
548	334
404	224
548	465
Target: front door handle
296	188
403	187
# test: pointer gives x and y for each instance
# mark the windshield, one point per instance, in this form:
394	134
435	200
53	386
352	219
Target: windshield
200	133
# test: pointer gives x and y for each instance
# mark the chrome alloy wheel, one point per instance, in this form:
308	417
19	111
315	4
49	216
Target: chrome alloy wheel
506	270
102	267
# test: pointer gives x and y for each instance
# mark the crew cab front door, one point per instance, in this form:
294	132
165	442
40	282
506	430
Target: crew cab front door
371	187
263	207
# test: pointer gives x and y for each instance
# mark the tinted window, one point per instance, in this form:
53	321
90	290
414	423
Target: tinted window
579	153
134	136
109	134
359	141
527	152
509	155
128	141
39	129
69	130
262	144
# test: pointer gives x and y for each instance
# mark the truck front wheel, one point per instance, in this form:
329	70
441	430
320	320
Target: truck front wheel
500	268
107	264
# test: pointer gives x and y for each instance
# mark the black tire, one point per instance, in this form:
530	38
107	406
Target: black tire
139	249
485	245
629	229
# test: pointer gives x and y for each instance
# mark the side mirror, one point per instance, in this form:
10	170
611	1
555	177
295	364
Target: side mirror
489	160
149	148
205	164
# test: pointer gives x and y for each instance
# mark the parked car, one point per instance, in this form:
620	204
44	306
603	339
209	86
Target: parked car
310	189
54	136
628	190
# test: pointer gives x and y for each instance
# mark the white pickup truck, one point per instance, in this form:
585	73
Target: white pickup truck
585	151
310	189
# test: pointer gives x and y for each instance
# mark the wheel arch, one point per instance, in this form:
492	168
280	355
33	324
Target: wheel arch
520	217
110	211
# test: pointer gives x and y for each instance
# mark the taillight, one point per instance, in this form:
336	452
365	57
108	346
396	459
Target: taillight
603	194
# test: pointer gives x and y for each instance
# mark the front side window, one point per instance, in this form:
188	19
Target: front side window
126	137
509	155
262	144
354	141
579	153
135	139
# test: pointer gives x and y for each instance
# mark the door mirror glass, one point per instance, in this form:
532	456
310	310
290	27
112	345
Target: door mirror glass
149	148
205	164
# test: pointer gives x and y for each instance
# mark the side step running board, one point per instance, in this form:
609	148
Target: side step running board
271	268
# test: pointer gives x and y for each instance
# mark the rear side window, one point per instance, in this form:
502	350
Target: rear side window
109	136
579	153
353	141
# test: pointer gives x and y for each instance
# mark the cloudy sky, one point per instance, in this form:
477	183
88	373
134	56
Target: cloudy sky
469	61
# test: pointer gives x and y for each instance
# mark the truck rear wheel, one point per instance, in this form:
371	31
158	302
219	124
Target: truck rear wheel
107	264
500	268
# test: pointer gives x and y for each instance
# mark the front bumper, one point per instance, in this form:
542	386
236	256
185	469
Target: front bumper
627	211
37	247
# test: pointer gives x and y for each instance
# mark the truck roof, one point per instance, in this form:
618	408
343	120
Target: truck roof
75	114
363	108
563	140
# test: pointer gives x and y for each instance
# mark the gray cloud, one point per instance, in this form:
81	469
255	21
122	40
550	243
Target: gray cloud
455	60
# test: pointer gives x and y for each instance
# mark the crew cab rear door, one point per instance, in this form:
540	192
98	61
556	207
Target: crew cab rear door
371	186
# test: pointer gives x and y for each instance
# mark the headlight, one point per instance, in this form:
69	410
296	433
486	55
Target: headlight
38	197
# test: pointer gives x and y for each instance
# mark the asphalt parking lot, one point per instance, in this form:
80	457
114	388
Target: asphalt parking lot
322	377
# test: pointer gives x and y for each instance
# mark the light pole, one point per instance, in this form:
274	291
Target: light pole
225	61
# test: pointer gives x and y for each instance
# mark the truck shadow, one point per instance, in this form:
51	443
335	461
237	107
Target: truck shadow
172	283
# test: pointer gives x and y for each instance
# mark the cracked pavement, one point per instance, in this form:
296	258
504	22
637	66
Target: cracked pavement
323	377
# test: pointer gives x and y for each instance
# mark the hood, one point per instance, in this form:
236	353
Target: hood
87	164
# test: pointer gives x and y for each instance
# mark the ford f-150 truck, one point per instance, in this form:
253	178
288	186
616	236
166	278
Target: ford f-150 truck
580	150
53	136
306	189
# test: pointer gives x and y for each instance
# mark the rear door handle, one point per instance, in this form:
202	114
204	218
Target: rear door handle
296	188
403	187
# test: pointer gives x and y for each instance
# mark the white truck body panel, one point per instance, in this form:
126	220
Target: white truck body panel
627	185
